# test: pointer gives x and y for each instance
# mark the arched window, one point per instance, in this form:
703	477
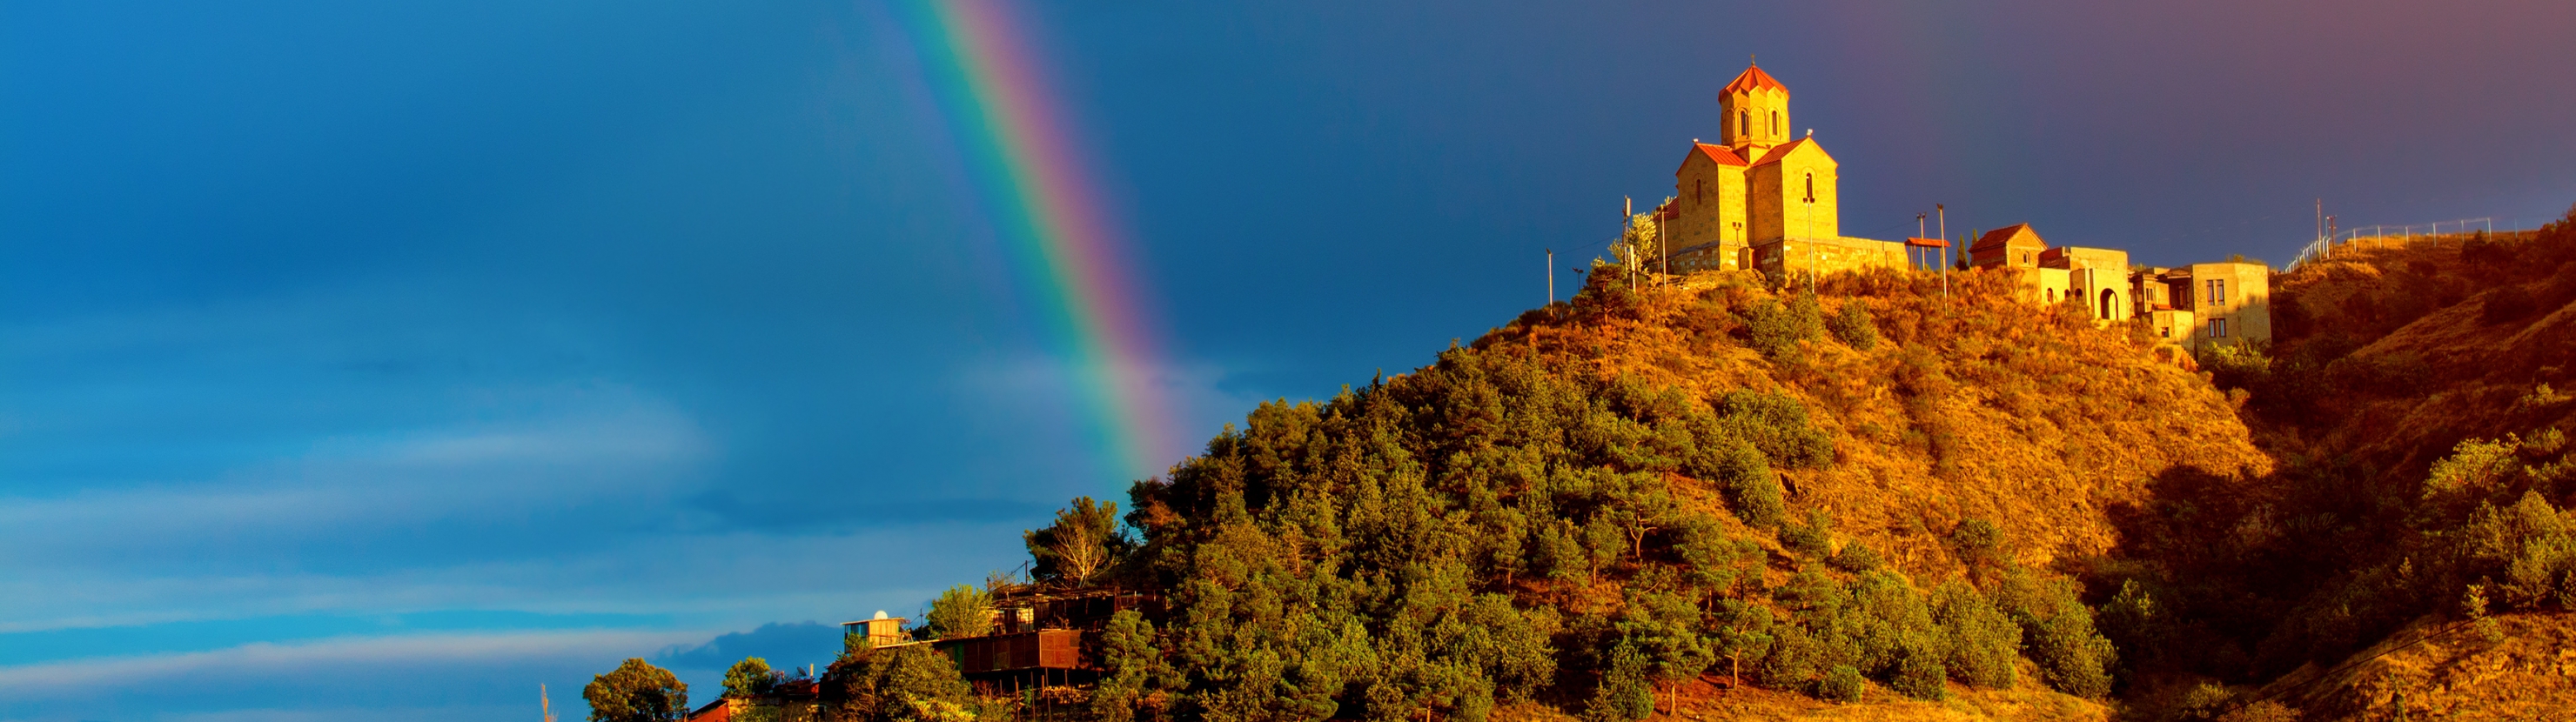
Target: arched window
1775	124
1811	187
1743	122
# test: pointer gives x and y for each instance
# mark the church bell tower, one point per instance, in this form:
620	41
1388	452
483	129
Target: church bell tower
1756	113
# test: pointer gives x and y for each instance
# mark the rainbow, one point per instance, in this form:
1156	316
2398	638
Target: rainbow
1050	219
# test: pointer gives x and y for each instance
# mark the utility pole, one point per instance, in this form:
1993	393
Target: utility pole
1628	212
1660	246
1919	231
1551	277
1944	211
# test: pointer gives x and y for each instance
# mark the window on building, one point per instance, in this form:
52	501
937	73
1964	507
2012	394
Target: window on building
2218	328
1811	188
1775	123
1743	122
2164	332
2217	291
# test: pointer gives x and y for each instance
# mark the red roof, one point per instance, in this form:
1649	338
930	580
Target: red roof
2000	237
1927	243
1781	151
1720	154
1752	78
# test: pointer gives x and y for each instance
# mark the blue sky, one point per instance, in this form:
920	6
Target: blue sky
395	358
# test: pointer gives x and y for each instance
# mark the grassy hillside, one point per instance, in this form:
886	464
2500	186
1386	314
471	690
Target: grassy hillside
1875	493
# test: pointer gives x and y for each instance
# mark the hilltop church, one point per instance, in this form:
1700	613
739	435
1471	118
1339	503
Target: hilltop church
1763	197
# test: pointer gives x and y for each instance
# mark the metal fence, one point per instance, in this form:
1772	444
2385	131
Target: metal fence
2386	236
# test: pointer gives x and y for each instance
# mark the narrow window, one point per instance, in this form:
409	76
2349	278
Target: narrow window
1775	124
2218	328
1743	123
1811	188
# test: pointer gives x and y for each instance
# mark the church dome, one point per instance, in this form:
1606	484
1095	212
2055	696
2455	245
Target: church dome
1753	78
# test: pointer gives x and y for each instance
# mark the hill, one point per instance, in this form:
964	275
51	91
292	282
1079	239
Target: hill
1885	496
1678	499
2412	398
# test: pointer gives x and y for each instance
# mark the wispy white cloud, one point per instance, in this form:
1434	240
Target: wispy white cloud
321	658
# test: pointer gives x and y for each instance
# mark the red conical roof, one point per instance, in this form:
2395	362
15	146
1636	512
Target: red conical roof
1753	77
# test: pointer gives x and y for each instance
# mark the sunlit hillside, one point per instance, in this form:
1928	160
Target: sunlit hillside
1877	492
1882	496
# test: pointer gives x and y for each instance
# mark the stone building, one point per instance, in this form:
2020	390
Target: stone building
2226	302
1762	198
2201	303
2097	277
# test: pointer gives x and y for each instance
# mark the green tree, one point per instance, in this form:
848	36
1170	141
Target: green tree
2058	633
911	683
1625	693
962	611
1131	666
636	691
1843	683
1739	470
1084	539
1851	324
1983	643
750	677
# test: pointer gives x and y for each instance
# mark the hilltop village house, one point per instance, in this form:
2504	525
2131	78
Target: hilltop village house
1761	200
1040	637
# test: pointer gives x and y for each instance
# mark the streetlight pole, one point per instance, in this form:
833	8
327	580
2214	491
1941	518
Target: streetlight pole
1944	212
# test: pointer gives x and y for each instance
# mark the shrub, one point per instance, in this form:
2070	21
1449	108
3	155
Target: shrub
1977	541
1851	324
1841	684
1813	539
2134	621
1919	668
1856	557
2510	303
1625	693
1748	482
1775	328
1778	426
2058	633
2071	656
1981	641
1794	658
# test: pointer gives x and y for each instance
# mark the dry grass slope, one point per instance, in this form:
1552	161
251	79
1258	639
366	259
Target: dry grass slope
1973	406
